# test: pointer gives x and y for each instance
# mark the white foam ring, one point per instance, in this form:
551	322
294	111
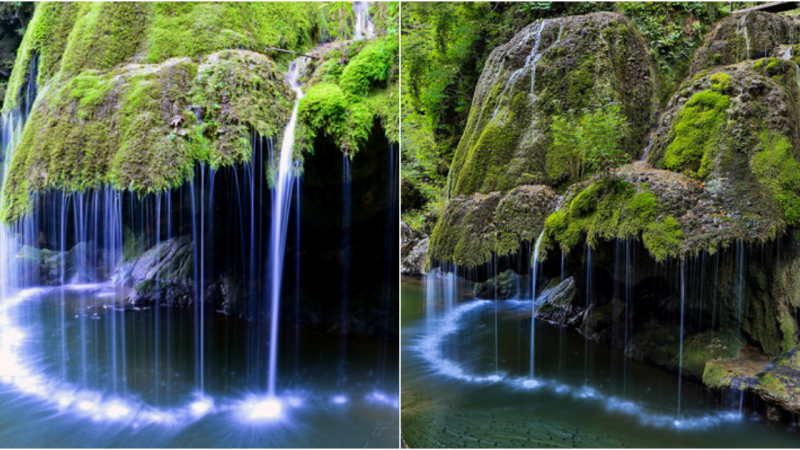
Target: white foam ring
431	344
97	406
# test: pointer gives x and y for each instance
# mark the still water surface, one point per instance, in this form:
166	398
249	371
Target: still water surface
466	383
80	371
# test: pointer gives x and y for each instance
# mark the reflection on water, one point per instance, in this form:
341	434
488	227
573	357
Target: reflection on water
466	383
92	373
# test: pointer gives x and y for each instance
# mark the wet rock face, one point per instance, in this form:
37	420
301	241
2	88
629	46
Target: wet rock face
414	250
164	274
740	37
560	304
549	68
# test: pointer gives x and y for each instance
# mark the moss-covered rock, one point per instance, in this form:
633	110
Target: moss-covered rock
74	37
348	89
551	67
735	128
740	37
776	382
144	127
474	228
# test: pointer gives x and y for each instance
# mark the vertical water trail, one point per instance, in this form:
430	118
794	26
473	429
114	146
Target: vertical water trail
680	351
743	28
389	254
281	200
297	280
530	63
534	270
740	261
345	299
363	26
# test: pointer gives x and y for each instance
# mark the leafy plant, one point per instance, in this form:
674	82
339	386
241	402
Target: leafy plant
591	140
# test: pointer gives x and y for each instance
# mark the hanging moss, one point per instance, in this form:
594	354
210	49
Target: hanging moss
663	239
135	128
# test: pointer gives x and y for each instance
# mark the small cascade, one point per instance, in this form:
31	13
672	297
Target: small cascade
530	63
647	147
534	274
281	201
363	26
743	30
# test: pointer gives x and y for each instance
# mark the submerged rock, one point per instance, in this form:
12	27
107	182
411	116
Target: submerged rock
504	286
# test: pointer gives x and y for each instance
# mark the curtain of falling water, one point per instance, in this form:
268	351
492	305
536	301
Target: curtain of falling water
390	255
345	292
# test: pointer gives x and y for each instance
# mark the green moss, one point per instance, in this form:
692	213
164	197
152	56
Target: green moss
720	82
716	377
324	108
371	68
788	330
697	132
610	209
134	127
776	168
663	239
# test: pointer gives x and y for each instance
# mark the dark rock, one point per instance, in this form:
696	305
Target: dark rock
414	250
504	286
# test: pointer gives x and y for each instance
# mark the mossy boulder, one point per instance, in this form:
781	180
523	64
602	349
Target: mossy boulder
734	128
551	67
135	95
672	214
144	127
504	286
740	37
473	228
70	38
349	87
776	381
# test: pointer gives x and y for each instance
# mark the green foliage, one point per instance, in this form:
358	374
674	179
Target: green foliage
672	30
776	168
592	141
697	133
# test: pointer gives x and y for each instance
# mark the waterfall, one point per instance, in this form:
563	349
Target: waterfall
363	27
530	63
534	271
743	29
345	292
281	201
680	351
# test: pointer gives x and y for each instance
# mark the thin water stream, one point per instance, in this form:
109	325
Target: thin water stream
583	394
